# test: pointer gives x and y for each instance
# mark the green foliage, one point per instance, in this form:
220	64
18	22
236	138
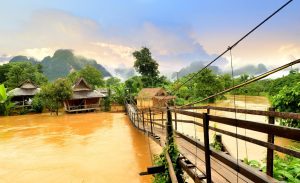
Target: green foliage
216	144
162	160
290	80
107	101
118	96
90	74
253	163
5	104
288	100
3	72
145	64
254	89
55	93
148	68
21	71
134	85
112	81
37	104
287	168
203	85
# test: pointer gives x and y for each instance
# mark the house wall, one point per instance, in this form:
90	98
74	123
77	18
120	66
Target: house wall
144	103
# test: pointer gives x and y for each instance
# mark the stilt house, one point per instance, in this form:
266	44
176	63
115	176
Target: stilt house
84	98
22	96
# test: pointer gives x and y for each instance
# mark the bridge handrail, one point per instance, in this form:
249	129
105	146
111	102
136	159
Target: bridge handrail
283	115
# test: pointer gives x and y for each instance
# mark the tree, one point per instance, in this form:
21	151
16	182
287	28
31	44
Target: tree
288	100
206	84
290	80
145	64
3	72
147	67
55	93
22	71
134	85
112	81
5	103
90	74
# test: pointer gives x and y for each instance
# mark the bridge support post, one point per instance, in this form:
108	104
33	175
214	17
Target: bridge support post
138	120
207	149
270	152
162	120
175	115
151	128
143	120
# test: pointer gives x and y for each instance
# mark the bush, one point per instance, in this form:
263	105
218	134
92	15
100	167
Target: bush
288	100
37	104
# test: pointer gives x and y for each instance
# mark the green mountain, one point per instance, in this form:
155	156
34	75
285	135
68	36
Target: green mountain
62	63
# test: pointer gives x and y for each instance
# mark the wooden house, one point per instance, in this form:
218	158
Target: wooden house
84	98
22	96
152	97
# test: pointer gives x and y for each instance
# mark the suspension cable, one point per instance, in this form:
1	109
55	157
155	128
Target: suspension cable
245	83
229	48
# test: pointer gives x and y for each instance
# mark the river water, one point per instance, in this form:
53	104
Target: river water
237	148
74	148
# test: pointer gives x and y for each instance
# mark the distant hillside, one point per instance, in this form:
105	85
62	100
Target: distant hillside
193	67
62	63
196	66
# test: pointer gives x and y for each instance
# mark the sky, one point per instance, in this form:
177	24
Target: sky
177	32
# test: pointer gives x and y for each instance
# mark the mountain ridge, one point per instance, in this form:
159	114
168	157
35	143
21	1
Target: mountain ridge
61	63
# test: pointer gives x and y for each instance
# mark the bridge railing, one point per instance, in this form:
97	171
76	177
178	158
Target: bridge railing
137	117
270	129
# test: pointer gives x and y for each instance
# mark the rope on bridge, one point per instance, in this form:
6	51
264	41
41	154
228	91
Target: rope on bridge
229	48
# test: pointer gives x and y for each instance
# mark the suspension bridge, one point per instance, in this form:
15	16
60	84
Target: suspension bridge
201	161
197	157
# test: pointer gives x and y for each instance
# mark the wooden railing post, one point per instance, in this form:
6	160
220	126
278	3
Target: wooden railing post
207	149
270	152
150	121
138	119
162	120
143	120
208	109
175	119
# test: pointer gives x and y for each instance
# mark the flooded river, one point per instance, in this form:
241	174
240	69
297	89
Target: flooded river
237	148
83	148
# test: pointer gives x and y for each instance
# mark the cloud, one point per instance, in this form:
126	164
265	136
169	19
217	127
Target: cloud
48	30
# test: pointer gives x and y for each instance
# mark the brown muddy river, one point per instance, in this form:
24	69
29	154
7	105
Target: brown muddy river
77	148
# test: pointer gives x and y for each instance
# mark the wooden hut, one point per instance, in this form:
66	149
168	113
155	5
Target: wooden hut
153	97
84	98
22	96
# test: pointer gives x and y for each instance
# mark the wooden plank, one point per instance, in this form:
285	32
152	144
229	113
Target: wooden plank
245	170
283	115
281	131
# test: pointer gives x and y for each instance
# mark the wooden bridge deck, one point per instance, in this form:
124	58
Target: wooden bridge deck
221	173
223	167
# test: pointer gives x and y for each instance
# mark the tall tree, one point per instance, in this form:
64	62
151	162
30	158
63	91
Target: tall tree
92	75
21	71
147	67
145	64
55	93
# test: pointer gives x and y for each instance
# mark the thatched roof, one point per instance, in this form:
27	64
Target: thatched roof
82	90
28	85
149	93
81	85
27	88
